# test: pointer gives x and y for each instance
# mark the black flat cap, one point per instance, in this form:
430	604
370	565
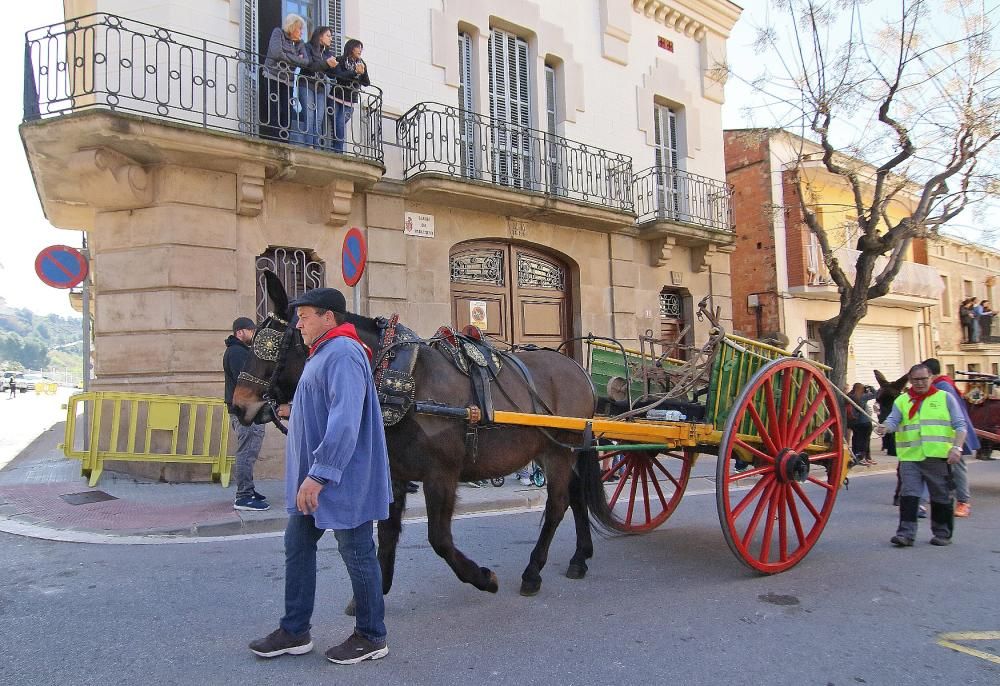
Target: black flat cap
323	298
243	323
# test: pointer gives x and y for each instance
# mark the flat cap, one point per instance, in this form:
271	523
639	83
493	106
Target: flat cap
243	323
323	298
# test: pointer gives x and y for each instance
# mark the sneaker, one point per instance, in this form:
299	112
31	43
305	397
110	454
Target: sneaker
280	642
938	540
746	467
963	509
901	542
922	512
250	504
355	649
258	496
473	484
412	487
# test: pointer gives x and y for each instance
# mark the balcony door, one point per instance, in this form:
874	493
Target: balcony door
666	158
515	294
510	110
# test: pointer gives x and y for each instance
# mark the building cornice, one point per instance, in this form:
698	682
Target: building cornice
693	18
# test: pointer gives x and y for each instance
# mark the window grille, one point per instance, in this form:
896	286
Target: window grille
297	269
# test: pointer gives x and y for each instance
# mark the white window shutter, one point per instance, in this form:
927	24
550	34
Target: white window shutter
249	66
466	105
334	11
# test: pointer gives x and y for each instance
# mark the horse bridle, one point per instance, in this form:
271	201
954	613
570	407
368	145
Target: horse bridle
266	348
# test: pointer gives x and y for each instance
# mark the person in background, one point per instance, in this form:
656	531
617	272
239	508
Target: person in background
314	84
860	424
984	318
965	317
248	438
350	76
959	472
286	51
930	431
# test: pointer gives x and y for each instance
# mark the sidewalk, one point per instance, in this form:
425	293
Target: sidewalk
43	489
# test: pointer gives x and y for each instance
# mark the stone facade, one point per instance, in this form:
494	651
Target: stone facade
177	214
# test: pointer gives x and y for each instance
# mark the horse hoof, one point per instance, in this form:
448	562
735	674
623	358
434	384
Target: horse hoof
530	588
576	571
492	585
350	609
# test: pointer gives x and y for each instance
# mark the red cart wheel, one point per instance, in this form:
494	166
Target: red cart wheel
648	487
786	423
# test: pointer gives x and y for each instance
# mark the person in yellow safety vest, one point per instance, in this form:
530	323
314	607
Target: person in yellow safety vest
930	430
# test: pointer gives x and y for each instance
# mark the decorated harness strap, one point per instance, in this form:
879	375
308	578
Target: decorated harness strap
396	358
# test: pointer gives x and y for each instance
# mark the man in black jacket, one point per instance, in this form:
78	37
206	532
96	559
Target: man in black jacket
248	438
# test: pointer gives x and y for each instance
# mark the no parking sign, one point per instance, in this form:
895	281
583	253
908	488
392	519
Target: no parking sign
354	256
61	266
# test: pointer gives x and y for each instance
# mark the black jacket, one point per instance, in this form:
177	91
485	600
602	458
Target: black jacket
348	81
237	354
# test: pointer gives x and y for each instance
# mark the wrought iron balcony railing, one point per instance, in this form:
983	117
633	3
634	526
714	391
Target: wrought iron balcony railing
447	140
104	61
667	194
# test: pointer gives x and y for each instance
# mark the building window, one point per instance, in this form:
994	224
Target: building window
510	109
666	159
950	370
296	268
996	368
946	297
973	367
968	288
555	168
467	106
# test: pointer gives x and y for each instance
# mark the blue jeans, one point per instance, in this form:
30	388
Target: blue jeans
313	96
341	115
248	442
357	549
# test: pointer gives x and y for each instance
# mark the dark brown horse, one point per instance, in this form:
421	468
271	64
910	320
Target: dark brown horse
433	449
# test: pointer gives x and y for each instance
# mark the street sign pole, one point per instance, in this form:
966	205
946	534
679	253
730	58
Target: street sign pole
357	298
86	324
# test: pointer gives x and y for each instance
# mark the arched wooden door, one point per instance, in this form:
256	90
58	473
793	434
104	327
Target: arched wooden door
514	293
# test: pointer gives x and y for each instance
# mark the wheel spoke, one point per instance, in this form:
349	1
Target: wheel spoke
800	400
643	473
794	514
757	513
825	484
811	437
784	417
631	501
782	525
754	451
761	431
656	487
622	480
819	457
765	544
656	463
748	498
801	427
805	500
772	413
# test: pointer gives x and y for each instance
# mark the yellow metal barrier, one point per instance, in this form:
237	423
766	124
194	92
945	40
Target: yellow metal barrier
144	427
46	388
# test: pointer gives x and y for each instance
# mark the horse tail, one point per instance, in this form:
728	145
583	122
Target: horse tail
588	473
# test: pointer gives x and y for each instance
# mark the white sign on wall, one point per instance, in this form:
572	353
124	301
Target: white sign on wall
417	224
477	313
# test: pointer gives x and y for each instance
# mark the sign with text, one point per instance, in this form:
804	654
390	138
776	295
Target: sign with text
417	224
477	314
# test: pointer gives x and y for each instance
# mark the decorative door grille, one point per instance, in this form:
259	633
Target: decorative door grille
297	269
479	266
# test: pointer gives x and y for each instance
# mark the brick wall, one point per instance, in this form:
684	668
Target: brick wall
753	263
796	231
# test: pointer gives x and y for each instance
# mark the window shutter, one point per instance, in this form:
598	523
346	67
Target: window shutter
555	181
335	20
665	149
249	61
465	104
510	108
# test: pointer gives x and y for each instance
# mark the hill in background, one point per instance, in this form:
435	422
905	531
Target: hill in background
37	341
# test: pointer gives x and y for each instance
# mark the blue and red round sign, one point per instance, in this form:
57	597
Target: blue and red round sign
354	256
61	266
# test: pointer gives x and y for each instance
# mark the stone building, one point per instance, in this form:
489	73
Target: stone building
967	270
780	282
557	165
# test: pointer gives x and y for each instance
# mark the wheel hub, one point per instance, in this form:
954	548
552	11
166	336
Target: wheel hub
792	466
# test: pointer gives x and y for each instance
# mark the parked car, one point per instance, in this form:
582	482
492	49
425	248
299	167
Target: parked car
27	382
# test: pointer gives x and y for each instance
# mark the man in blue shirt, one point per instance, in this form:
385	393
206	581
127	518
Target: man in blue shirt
336	477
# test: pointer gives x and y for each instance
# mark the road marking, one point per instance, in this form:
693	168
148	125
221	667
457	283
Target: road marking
947	640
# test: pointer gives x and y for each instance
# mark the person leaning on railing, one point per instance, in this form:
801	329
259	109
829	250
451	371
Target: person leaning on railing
350	76
314	88
285	51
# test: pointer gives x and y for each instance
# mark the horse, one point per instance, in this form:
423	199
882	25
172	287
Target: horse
435	450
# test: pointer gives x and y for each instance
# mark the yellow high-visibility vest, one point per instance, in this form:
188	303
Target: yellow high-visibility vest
926	434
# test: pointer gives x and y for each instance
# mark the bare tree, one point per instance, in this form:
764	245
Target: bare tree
902	109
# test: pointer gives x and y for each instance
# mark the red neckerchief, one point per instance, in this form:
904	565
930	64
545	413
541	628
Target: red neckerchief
948	380
916	399
344	329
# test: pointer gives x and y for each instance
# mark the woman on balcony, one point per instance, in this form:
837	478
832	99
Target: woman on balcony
984	321
350	76
965	317
314	86
285	52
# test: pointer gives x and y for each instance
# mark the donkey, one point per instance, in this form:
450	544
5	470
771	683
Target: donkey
435	449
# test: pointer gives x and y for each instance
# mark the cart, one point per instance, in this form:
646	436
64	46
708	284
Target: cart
770	416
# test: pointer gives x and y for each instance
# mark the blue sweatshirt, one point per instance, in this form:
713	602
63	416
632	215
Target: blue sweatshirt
335	432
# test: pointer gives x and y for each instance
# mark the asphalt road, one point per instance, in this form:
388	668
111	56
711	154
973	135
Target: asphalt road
673	606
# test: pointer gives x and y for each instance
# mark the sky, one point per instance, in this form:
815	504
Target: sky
25	231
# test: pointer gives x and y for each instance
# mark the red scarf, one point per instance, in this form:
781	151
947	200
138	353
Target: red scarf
916	399
344	329
948	380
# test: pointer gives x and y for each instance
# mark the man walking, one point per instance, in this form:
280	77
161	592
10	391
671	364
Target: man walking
336	477
248	438
959	471
930	431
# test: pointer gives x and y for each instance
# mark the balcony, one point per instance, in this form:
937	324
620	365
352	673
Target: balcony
152	95
465	159
915	284
691	208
